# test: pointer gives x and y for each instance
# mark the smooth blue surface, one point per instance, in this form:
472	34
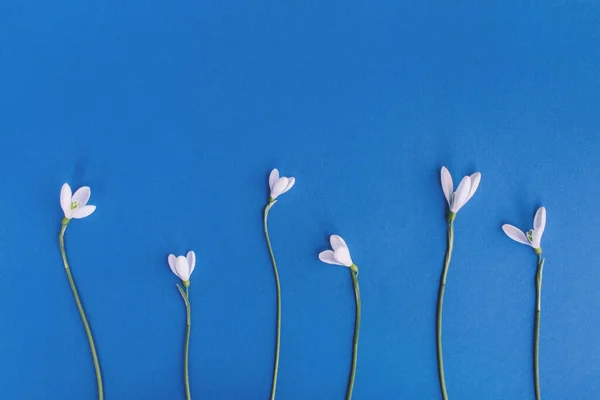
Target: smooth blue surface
175	112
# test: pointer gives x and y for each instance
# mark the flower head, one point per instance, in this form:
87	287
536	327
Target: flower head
75	205
340	255
279	185
465	190
183	266
533	237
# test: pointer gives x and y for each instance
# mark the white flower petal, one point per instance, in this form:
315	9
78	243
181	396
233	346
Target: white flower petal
447	184
291	182
515	234
462	194
183	269
536	239
191	259
82	212
65	199
337	242
342	255
172	260
539	221
327	257
279	187
273	178
475	179
82	195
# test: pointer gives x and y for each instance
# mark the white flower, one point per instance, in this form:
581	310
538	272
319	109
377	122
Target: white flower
183	266
279	185
340	255
465	190
533	237
75	206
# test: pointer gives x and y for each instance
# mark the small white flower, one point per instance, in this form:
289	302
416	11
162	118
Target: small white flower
75	206
533	237
340	255
183	266
279	185
465	190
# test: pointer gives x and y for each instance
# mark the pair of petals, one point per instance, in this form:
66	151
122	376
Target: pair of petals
465	190
182	266
279	185
340	255
75	205
539	225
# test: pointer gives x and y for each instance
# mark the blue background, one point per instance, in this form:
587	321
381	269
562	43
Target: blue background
175	112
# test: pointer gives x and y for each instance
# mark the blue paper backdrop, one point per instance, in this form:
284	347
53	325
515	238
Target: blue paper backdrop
175	112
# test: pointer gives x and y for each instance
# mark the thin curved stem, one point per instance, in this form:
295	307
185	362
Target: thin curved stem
185	294
278	288
356	334
536	329
440	304
86	325
187	344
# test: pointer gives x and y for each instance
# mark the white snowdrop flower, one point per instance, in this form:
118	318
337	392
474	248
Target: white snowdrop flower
340	255
76	205
465	190
279	185
533	237
183	266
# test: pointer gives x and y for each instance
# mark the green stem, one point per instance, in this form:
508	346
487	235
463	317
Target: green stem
185	294
536	331
188	308
88	331
354	274
278	288
440	304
